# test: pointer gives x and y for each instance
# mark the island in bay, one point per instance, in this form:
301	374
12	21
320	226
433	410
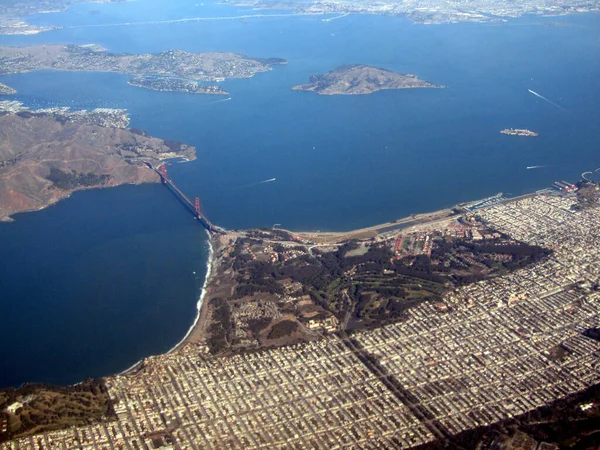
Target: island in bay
6	90
519	132
153	71
45	155
175	85
361	79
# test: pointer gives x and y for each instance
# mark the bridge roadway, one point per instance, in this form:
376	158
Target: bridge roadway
206	223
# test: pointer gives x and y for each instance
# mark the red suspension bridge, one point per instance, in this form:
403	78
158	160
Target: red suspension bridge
194	207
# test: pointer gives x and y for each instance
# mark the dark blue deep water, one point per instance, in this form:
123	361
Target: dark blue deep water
104	278
97	282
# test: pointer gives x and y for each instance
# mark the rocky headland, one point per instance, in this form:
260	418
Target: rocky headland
46	155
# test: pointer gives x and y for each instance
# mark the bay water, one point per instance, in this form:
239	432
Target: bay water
91	285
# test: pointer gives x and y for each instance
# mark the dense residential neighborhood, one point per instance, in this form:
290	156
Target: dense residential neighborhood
501	347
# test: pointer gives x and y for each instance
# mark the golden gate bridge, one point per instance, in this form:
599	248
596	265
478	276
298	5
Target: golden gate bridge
193	207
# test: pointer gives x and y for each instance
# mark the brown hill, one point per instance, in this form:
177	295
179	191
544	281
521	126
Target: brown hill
361	79
43	159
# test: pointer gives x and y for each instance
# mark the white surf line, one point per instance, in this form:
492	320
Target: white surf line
191	19
131	368
202	295
198	308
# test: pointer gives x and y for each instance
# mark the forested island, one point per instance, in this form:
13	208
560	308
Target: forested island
176	85
361	79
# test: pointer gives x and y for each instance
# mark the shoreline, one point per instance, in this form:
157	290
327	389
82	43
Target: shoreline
10	218
326	238
199	304
332	237
194	332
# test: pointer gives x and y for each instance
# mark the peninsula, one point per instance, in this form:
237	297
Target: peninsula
45	155
185	66
519	132
435	331
6	90
361	79
176	85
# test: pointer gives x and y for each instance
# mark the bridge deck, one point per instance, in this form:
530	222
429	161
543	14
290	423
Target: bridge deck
187	202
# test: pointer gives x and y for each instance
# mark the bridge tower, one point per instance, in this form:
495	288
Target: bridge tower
197	206
163	173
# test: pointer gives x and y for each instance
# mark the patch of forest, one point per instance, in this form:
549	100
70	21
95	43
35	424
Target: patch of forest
72	180
563	422
221	325
283	329
380	285
39	408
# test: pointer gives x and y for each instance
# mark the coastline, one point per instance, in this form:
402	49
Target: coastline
200	303
197	330
195	334
196	325
11	218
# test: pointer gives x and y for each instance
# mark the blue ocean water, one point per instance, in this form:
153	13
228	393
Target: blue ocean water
97	282
340	162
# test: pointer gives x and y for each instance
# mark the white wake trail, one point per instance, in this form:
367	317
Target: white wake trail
258	183
220	101
547	100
